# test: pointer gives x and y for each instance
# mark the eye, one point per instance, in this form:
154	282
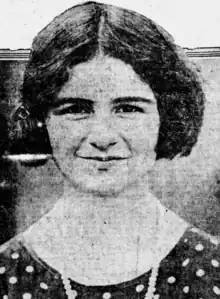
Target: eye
129	109
74	109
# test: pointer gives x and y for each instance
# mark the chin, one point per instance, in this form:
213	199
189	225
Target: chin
106	183
102	187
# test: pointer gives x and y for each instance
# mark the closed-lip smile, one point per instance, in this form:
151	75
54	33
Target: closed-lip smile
103	159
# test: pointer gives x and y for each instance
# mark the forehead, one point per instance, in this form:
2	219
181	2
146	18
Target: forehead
104	76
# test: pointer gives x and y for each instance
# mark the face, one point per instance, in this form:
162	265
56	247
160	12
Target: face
104	126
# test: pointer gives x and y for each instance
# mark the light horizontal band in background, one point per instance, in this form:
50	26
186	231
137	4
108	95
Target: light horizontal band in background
21	54
27	157
24	54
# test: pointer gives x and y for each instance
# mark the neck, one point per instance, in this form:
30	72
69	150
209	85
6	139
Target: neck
102	215
98	219
135	199
121	231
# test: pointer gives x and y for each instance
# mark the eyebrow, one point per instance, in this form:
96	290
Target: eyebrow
122	100
65	100
119	100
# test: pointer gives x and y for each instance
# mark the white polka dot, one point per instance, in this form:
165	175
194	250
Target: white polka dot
171	279
15	255
200	272
29	269
5	297
13	280
27	296
185	240
106	295
215	263
186	289
2	270
185	263
216	290
43	286
139	288
199	247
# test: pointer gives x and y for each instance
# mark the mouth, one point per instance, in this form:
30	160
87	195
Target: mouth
103	159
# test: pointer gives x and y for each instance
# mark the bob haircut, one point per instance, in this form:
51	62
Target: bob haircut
81	33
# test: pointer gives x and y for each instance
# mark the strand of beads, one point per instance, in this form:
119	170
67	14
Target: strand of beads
152	283
71	294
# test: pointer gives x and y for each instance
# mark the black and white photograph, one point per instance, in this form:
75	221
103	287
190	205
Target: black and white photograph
109	149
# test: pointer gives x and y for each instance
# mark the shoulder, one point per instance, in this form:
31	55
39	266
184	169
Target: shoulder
9	256
200	254
195	236
193	266
10	252
199	245
13	254
8	249
196	252
196	249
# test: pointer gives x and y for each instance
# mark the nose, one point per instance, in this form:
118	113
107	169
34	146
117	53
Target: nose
102	136
102	146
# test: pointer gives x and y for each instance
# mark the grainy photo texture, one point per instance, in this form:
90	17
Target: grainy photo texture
109	137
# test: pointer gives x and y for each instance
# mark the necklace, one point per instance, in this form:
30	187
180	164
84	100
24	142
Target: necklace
71	294
162	234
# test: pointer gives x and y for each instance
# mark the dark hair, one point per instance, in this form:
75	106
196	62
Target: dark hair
80	33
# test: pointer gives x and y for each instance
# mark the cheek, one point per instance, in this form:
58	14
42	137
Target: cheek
64	136
142	134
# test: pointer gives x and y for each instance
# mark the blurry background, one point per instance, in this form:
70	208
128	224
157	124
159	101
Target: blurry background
26	193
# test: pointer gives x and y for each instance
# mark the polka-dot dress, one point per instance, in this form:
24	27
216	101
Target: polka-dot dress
190	270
